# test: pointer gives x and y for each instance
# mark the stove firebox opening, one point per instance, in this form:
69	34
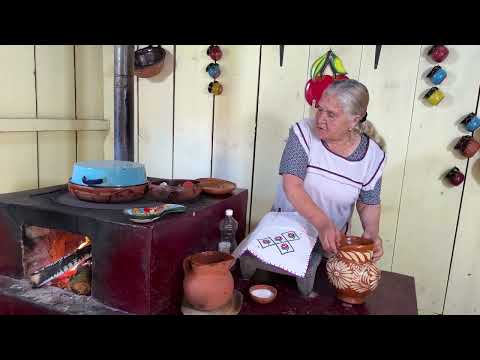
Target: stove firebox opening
58	258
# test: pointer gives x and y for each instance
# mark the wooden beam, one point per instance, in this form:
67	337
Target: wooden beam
35	124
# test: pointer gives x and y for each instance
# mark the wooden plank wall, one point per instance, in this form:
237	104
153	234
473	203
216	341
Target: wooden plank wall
429	228
429	208
40	82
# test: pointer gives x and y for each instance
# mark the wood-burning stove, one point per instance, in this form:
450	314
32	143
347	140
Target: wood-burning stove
136	268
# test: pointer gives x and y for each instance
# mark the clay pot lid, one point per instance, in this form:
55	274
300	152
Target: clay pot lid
263	300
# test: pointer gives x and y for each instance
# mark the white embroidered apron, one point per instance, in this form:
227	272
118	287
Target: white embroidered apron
333	182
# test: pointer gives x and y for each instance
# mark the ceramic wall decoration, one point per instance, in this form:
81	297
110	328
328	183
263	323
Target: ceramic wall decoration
468	146
318	81
438	53
213	69
434	96
437	75
352	271
208	282
471	122
455	176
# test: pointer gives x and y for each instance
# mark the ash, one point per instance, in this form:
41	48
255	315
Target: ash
54	298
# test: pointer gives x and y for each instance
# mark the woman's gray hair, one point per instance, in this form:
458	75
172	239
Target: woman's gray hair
354	98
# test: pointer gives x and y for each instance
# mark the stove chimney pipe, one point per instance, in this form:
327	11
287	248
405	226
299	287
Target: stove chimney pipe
124	56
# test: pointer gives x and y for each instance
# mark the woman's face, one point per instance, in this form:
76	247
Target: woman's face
331	122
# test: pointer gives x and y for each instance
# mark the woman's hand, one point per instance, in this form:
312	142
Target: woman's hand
330	236
377	246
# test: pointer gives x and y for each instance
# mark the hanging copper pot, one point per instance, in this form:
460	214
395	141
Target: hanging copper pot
149	61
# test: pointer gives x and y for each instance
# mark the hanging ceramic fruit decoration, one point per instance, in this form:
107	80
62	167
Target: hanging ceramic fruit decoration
471	122
455	176
438	53
318	81
468	146
437	75
213	69
434	96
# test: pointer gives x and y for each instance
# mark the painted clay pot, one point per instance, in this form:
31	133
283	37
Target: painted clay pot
208	283
437	75
434	96
471	122
438	53
468	146
455	176
213	69
352	271
214	52
215	88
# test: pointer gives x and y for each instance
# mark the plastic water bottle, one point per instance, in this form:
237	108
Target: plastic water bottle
228	229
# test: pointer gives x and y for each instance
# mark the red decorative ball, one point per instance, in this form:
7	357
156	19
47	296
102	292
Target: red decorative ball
214	52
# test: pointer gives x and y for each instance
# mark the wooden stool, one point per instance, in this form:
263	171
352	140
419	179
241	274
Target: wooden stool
249	265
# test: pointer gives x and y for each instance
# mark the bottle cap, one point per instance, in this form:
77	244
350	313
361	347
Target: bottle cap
229	212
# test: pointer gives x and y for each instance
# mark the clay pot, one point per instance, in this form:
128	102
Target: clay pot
108	194
208	283
455	176
438	53
434	96
468	146
352	271
175	191
471	122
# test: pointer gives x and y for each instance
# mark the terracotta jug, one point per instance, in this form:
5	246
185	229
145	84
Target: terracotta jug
208	283
352	271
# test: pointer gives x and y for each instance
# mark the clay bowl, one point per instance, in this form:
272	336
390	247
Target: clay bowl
263	300
174	193
216	186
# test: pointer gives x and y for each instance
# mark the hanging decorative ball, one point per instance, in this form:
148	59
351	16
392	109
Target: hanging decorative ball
437	75
438	53
214	52
471	122
213	70
434	96
215	88
468	146
455	176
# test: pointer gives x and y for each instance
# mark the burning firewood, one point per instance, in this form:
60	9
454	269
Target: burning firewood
80	282
61	266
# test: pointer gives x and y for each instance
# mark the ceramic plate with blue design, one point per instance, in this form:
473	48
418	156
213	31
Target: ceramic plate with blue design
153	213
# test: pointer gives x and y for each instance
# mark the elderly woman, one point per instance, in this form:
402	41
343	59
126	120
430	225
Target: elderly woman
332	163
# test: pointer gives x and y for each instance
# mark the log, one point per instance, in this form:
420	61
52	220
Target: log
80	283
60	267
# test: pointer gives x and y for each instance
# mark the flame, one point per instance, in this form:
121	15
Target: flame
85	243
